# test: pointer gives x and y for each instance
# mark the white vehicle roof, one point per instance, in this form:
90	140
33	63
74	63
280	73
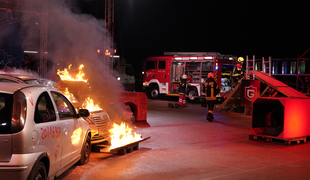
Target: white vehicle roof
28	79
10	88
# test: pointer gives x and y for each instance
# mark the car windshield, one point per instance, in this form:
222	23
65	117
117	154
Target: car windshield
42	81
5	112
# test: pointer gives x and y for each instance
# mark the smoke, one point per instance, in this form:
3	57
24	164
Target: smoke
74	38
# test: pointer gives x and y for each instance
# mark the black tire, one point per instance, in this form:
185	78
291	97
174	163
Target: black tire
192	93
85	154
154	92
38	172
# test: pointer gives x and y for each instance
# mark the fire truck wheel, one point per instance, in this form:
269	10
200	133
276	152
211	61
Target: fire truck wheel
192	93
154	94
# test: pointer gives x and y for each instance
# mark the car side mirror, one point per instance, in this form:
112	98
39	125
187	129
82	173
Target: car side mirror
84	112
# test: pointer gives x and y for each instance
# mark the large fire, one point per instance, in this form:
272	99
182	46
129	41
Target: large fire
122	135
66	76
69	95
89	104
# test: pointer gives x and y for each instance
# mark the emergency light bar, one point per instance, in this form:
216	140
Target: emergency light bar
31	52
178	58
208	57
193	57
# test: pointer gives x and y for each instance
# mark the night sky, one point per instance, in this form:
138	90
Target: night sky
151	27
145	28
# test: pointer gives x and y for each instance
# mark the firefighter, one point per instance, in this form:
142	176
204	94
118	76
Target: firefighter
211	89
238	71
182	91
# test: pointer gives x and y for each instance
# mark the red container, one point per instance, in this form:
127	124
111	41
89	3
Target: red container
137	102
282	117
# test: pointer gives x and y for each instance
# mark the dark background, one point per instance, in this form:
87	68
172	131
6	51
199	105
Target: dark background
147	28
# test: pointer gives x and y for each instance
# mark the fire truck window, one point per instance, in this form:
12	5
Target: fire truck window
177	70
207	66
162	65
226	78
150	65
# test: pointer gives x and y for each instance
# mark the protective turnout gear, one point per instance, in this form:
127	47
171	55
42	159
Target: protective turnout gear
238	73
211	89
240	59
182	91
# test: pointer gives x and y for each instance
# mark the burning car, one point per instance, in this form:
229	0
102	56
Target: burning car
98	120
76	88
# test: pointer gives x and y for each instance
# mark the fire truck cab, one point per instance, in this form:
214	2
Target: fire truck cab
162	74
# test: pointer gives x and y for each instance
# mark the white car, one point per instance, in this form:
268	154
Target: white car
98	121
41	135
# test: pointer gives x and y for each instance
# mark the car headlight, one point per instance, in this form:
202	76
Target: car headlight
145	84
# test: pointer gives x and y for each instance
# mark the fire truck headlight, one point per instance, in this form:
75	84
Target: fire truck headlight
145	84
142	72
118	78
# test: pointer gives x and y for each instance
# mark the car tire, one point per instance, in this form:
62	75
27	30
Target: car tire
38	172
192	93
85	154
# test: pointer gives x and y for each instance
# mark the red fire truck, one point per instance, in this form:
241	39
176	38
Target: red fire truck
162	73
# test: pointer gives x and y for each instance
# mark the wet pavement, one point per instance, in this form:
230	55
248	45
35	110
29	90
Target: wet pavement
183	145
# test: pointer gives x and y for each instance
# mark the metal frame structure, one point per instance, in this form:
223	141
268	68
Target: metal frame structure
42	14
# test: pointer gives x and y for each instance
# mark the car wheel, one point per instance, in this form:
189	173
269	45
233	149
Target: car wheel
154	93
85	151
38	172
192	93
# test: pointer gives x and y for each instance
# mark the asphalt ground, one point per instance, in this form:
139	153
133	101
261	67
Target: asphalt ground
184	146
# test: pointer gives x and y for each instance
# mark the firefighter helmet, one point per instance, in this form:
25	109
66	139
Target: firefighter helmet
240	59
210	75
184	76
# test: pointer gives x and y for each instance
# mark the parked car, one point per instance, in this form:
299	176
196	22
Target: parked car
41	134
98	120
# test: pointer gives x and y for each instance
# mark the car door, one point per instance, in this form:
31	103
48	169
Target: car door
48	130
71	128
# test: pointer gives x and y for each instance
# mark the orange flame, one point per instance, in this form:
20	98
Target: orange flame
70	96
65	75
89	104
122	135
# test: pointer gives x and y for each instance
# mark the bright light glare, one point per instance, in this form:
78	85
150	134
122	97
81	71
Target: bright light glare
208	57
